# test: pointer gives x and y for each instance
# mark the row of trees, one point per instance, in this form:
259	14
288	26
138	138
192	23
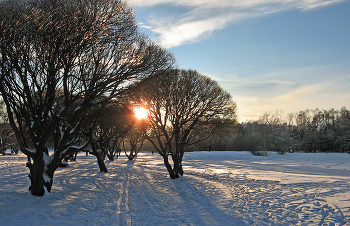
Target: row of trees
71	72
60	62
307	131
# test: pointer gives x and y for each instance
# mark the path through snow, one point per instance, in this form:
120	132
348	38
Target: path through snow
219	188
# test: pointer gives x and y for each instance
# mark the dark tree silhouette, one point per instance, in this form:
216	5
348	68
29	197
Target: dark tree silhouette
57	60
105	128
184	107
135	138
6	138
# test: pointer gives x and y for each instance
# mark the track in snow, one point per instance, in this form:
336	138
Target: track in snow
141	193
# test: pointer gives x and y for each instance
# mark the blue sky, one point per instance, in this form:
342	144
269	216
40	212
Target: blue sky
287	55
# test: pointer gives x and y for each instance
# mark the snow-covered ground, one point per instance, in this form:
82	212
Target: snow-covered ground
218	188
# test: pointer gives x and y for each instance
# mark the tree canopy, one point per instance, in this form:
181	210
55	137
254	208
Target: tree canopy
184	107
57	59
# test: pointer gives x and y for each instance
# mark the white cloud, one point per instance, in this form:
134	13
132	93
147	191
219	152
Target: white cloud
188	31
323	95
289	91
207	16
299	95
233	3
312	4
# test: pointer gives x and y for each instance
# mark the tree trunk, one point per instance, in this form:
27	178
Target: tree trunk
172	173
133	151
110	157
41	172
179	167
101	163
100	158
177	160
50	169
130	157
36	175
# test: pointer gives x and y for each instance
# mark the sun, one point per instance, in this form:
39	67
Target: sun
141	113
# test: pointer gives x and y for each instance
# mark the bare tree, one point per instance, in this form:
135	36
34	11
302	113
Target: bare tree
117	125
184	107
135	139
6	138
59	58
110	125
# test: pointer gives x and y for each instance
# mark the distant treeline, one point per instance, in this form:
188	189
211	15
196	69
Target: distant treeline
305	131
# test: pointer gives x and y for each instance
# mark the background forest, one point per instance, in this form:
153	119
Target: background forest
305	131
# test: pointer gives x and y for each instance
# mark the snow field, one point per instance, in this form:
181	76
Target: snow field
218	188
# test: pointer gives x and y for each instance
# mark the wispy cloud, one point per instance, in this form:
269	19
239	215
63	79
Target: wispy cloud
325	94
187	31
207	16
232	3
300	94
291	92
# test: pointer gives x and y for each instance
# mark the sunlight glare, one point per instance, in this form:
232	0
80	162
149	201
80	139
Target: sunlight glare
141	113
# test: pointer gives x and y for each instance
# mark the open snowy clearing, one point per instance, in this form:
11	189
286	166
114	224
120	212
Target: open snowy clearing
218	188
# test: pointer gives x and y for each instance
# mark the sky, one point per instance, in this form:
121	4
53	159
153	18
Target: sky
270	55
